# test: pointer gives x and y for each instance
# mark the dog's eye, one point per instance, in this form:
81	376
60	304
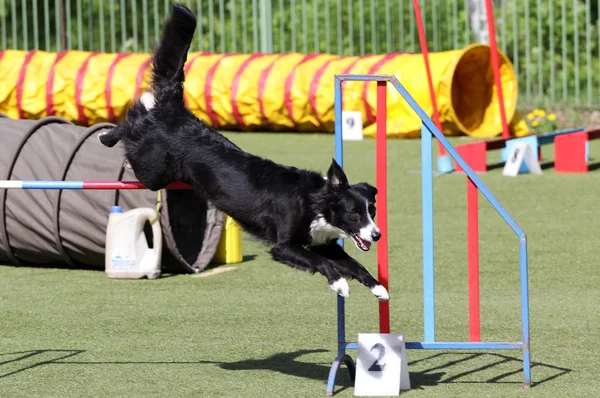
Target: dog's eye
354	214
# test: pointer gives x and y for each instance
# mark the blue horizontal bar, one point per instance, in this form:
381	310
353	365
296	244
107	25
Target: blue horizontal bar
450	346
372	78
350	346
463	346
52	184
548	138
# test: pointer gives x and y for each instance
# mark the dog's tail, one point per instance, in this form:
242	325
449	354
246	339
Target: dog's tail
168	60
170	56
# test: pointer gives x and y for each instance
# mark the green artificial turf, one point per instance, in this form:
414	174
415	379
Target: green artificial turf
265	330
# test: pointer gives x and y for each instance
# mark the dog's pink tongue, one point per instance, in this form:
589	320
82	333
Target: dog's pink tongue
365	245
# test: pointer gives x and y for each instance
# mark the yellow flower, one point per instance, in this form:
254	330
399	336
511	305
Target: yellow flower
530	116
541	112
552	117
535	123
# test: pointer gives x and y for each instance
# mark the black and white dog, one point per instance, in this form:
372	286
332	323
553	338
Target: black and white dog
297	211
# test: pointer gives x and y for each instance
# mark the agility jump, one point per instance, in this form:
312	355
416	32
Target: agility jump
428	131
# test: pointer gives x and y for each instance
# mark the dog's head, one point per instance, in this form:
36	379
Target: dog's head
351	208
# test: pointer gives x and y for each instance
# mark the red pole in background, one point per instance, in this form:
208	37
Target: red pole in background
381	181
473	256
496	66
423	41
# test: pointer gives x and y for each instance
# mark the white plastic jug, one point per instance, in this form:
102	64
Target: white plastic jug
127	253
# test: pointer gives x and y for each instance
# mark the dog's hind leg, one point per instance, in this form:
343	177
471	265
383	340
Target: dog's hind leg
300	258
351	268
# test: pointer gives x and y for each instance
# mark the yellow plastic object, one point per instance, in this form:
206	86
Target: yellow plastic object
268	92
83	87
229	250
466	95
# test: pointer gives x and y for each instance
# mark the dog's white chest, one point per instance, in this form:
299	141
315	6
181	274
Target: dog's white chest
322	232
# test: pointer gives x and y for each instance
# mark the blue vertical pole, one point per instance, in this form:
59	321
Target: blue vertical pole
339	149
339	157
525	313
427	205
341	325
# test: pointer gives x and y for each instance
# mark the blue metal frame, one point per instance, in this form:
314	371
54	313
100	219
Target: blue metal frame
427	209
342	345
428	131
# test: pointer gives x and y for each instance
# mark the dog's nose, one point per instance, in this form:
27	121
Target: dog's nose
375	235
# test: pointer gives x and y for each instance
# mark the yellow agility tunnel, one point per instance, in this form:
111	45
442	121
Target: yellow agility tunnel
265	92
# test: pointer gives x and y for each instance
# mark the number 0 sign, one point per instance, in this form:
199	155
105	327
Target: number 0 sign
381	367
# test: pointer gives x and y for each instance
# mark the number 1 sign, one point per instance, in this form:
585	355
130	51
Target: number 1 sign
381	366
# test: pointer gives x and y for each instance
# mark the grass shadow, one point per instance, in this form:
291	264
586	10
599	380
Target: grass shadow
26	360
287	363
428	378
547	165
495	165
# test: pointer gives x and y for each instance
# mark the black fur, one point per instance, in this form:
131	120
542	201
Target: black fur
276	203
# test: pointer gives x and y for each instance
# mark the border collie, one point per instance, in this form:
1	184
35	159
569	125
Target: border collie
299	212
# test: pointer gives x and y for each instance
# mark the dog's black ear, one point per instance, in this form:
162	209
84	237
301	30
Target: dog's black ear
369	189
335	176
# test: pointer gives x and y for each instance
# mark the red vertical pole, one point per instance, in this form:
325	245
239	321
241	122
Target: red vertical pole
423	41
473	248
381	181
496	66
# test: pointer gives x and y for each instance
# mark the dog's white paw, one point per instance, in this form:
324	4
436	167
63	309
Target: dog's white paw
341	287
147	99
380	292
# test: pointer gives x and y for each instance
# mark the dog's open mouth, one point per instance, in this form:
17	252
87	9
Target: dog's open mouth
361	243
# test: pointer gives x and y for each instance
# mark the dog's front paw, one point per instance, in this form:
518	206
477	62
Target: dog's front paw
341	287
380	292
